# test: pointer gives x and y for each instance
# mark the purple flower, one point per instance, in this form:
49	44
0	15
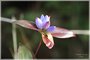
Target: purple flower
43	22
42	25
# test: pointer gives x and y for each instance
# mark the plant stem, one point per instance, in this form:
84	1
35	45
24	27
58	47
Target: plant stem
83	32
7	20
14	39
38	48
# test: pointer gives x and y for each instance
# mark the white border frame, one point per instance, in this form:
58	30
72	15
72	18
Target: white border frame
43	0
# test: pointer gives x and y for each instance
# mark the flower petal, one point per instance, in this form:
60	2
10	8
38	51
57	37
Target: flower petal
48	40
51	29
42	17
46	25
38	23
62	33
46	19
26	24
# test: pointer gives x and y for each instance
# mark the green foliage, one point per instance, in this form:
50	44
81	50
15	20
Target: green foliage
23	53
9	12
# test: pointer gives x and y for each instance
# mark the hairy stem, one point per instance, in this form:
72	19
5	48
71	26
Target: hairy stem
38	48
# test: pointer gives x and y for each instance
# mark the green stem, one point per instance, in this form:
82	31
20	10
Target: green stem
14	39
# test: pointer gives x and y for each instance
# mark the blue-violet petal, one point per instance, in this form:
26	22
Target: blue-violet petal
42	17
51	29
46	25
46	19
38	23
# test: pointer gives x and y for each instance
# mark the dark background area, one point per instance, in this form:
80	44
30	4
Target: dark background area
73	15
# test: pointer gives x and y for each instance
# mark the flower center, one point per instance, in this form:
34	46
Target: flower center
43	31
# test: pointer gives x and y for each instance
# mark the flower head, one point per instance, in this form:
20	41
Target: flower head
43	22
42	25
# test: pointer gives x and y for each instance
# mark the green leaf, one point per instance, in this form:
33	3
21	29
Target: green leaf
23	53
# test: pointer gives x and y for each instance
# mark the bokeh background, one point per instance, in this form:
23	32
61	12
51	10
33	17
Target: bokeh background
73	15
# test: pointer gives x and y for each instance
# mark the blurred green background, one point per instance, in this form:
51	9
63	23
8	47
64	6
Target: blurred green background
73	15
